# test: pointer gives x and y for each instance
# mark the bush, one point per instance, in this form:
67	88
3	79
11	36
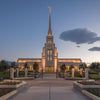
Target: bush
21	73
77	74
4	75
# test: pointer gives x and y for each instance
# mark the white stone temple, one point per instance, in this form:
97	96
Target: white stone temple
49	60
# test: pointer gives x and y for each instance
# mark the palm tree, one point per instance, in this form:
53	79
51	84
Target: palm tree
71	67
3	66
35	67
63	68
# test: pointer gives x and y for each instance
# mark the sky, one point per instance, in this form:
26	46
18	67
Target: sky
75	27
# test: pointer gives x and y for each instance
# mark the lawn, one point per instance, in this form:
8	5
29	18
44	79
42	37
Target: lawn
94	75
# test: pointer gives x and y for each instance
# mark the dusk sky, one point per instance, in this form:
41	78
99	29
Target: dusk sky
75	27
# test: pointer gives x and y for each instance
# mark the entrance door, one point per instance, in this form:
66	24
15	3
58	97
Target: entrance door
49	69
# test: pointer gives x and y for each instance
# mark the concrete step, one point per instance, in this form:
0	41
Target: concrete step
49	75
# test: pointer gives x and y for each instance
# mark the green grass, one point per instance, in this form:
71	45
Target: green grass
94	75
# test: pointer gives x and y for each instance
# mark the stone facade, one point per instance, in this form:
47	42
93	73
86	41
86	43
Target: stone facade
49	61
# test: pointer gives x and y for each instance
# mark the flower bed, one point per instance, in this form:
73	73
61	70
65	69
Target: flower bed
88	83
13	84
8	88
94	91
9	83
89	87
93	94
5	91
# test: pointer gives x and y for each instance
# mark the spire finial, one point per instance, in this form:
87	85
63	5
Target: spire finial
49	31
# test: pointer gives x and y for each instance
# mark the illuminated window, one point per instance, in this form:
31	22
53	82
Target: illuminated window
49	41
50	52
50	58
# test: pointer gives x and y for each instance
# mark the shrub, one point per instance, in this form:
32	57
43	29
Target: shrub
77	74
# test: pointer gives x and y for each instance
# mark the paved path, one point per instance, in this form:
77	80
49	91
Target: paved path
50	89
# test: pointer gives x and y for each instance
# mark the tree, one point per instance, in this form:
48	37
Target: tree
71	66
95	65
26	65
83	65
63	68
35	67
14	65
3	66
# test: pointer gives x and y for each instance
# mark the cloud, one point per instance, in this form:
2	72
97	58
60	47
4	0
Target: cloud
80	36
94	49
78	46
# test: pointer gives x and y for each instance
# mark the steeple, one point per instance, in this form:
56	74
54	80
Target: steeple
49	31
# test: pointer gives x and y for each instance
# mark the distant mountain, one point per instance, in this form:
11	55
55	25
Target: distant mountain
9	62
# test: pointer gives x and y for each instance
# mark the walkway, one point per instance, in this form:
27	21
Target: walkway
50	89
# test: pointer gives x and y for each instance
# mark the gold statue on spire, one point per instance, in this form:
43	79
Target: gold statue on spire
49	9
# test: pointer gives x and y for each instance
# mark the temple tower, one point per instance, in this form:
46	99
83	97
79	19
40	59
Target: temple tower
49	55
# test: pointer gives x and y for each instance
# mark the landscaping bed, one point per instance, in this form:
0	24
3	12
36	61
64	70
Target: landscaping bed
90	88
8	88
86	84
10	82
13	84
94	92
5	94
5	91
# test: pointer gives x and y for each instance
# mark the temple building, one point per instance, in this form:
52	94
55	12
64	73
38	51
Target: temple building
49	60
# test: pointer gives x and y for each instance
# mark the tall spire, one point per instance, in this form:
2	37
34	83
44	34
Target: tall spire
49	31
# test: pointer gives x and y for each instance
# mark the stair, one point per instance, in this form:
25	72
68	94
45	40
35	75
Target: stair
49	75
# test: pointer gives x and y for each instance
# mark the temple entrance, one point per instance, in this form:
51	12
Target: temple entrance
49	69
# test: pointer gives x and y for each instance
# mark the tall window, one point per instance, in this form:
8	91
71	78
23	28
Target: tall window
49	53
49	41
50	58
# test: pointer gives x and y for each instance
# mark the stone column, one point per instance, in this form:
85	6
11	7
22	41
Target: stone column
26	72
86	73
73	72
11	73
17	72
81	70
